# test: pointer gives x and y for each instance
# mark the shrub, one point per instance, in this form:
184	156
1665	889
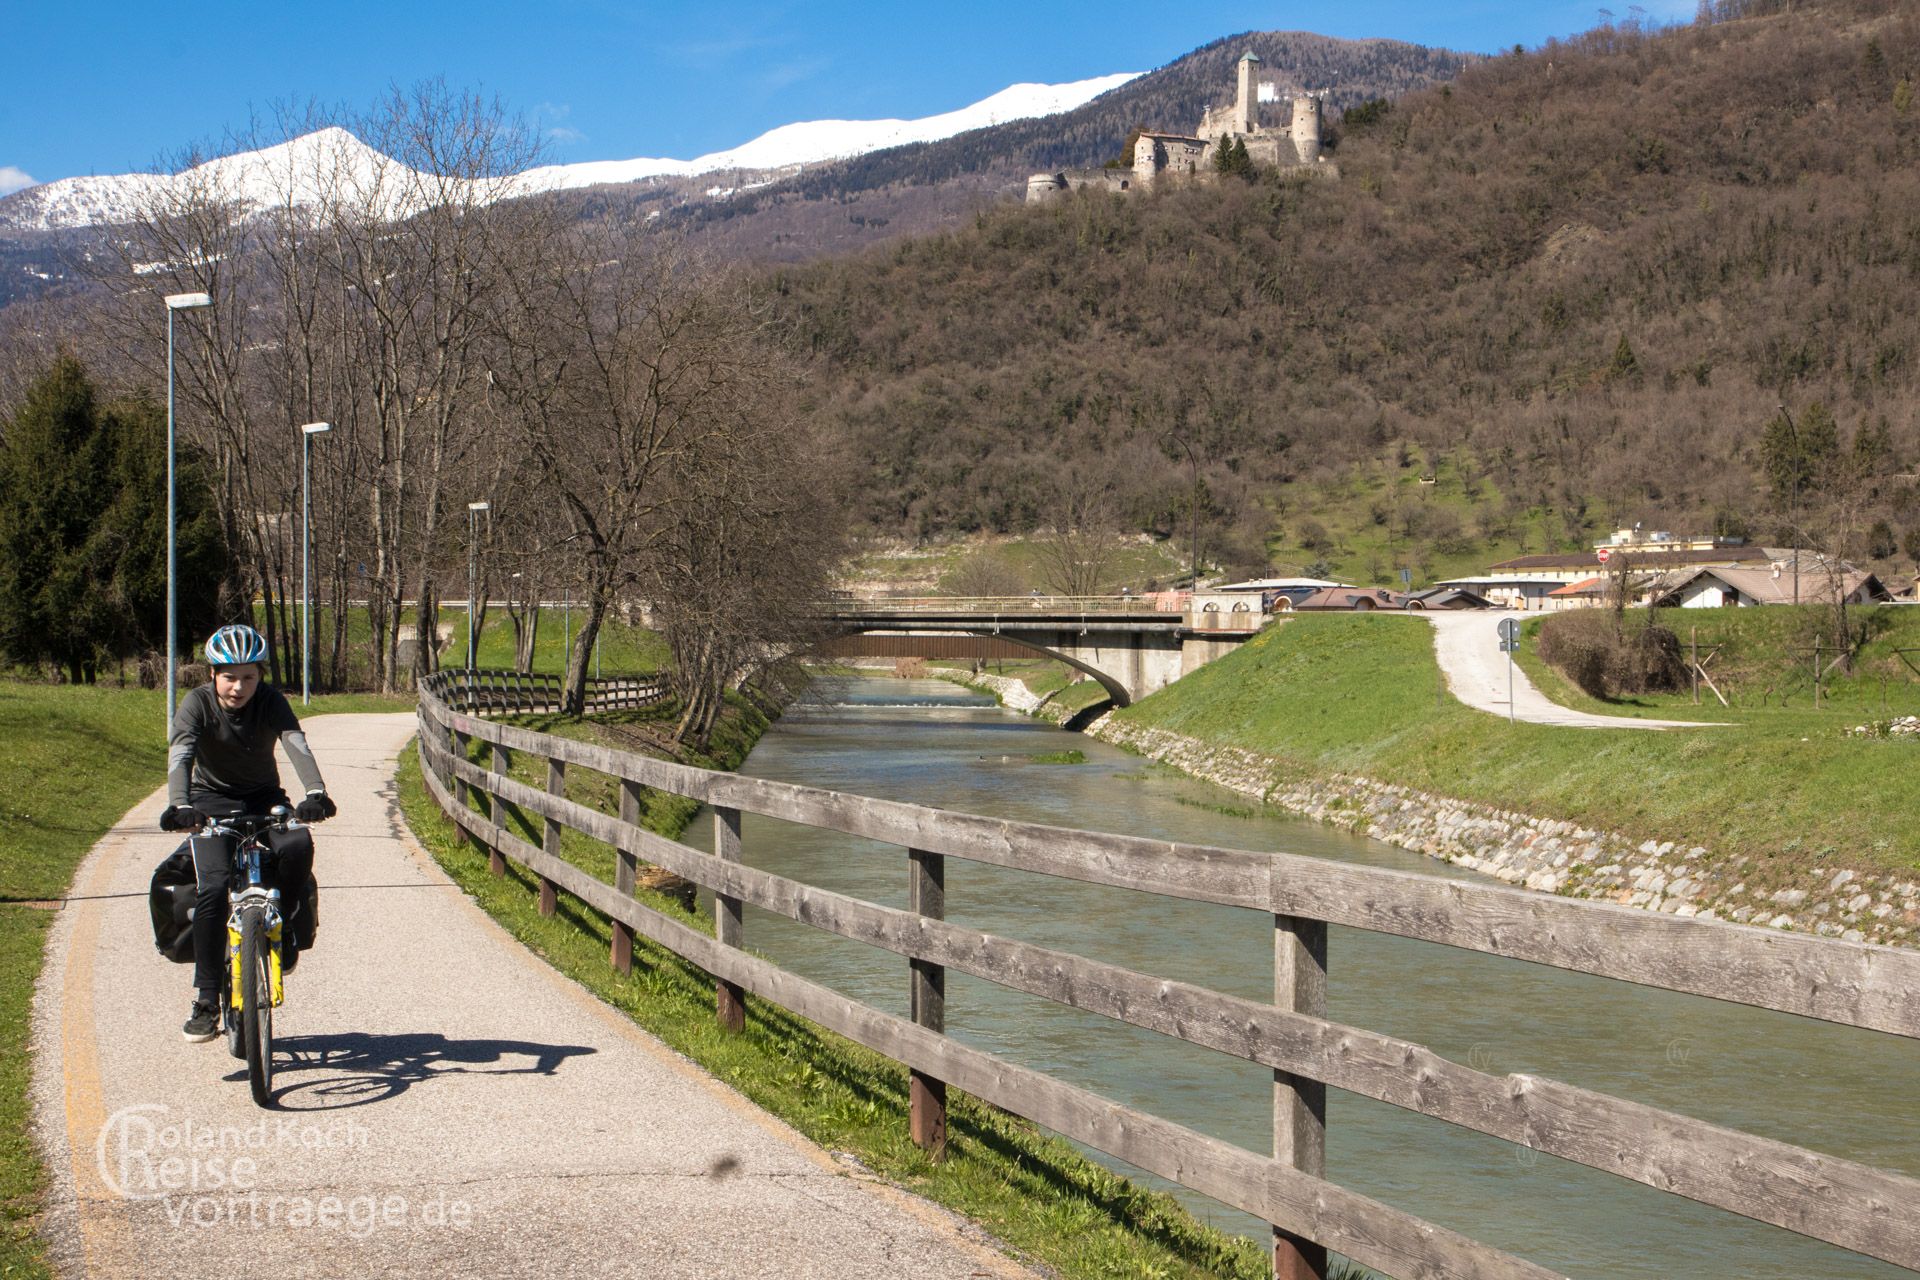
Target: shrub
1640	657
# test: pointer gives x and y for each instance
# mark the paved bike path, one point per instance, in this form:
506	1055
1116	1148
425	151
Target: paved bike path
448	1104
1467	646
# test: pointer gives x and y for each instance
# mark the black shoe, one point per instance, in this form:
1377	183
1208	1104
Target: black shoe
289	956
203	1023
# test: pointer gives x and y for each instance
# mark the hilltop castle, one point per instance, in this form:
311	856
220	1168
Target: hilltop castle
1296	148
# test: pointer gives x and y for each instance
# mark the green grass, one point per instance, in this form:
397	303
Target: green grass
1356	694
1762	666
1075	756
1036	1193
75	759
930	569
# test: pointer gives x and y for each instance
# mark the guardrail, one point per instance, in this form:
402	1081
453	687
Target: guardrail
1151	602
1871	1211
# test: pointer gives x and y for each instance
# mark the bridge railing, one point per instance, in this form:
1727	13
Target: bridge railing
1869	1210
1151	602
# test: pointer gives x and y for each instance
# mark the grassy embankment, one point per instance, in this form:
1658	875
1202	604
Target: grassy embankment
1360	695
1035	1193
1763	665
75	760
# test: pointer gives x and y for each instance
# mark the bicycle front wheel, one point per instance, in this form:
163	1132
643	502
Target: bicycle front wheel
256	1004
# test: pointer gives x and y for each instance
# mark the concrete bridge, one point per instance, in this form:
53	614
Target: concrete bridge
1132	645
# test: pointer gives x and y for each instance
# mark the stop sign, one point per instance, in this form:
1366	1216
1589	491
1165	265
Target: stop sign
1604	554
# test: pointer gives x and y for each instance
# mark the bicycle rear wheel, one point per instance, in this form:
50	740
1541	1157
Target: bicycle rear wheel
256	1004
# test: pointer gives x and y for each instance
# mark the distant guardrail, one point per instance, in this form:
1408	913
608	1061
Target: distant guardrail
1150	602
1869	1210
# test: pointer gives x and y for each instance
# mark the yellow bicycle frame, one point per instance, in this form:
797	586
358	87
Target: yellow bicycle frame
276	993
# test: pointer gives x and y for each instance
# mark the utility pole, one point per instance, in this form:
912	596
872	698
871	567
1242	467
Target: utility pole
1793	513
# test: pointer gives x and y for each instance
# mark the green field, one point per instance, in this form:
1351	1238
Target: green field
1360	695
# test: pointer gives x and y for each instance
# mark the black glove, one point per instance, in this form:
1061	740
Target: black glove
317	807
181	817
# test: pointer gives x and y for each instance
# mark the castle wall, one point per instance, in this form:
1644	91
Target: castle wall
1306	129
1296	151
1161	155
1043	188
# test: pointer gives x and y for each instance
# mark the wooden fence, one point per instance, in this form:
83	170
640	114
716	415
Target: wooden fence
1868	1210
486	691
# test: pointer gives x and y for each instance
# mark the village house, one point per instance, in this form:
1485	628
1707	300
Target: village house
1721	587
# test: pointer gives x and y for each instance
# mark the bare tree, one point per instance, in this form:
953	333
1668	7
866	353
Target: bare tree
1078	548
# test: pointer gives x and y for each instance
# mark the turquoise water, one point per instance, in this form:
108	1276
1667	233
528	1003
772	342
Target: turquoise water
1848	1093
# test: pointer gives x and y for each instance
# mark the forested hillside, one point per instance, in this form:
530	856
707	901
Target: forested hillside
1577	282
835	207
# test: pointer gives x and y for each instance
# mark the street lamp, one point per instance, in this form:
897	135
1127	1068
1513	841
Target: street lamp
473	574
175	302
1195	464
307	433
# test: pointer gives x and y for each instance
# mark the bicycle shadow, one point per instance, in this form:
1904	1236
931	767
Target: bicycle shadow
356	1069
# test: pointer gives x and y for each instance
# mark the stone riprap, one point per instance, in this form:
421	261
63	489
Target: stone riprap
1547	854
1551	855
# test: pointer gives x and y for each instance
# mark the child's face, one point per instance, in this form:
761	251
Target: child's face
234	685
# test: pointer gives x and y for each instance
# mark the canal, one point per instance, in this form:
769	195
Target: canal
1841	1091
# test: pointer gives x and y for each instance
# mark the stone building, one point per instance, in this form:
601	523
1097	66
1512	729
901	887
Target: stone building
1296	147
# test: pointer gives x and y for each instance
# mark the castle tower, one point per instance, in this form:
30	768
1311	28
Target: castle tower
1246	103
1306	127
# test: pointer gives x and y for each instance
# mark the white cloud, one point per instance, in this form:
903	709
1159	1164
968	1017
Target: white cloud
563	134
14	179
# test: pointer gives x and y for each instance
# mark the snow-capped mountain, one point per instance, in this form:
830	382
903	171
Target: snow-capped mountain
818	140
332	164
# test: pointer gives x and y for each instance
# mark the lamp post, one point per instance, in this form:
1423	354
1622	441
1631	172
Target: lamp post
175	302
1195	464
473	576
307	433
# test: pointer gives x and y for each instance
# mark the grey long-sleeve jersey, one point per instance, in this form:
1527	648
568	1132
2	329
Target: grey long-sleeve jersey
231	753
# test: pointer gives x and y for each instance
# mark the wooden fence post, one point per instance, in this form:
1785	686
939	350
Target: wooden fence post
729	1000
1299	1104
626	870
458	742
550	834
497	811
927	1000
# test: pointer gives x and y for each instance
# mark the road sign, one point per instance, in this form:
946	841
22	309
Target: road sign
1510	630
1509	646
1604	554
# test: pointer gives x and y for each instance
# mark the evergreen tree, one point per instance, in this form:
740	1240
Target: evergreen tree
1625	364
49	479
83	529
1798	456
1230	156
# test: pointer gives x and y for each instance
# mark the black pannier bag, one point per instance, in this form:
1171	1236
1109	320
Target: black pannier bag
170	900
171	896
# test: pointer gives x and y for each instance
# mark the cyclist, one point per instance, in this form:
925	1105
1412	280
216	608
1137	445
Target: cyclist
220	764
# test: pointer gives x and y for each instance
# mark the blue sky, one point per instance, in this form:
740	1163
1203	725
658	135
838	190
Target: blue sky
112	87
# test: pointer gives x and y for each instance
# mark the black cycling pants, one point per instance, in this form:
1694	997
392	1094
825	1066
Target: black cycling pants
291	865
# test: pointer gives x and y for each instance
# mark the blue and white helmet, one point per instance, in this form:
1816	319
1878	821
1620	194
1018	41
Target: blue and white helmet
231	645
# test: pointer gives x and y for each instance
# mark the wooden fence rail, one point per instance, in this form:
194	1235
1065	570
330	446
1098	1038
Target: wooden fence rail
1858	1207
